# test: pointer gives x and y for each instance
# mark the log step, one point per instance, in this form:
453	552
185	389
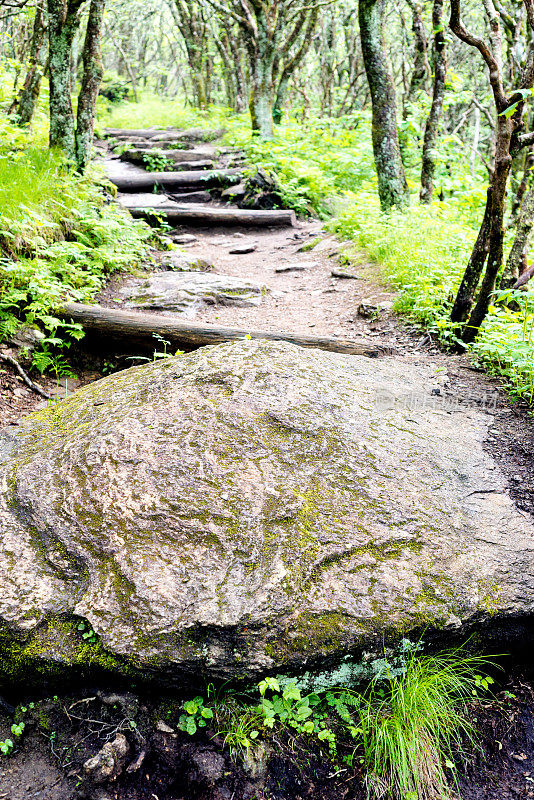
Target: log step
115	323
174	181
170	134
198	214
138	156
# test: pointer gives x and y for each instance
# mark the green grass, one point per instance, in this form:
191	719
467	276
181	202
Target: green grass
423	254
59	237
415	730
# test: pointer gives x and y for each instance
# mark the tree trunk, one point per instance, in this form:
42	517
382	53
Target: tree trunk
420	66
392	186
26	103
516	263
280	100
261	100
432	124
92	77
262	79
499	185
62	25
466	292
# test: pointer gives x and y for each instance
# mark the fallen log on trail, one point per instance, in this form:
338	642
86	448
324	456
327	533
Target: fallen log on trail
139	156
189	179
140	327
177	213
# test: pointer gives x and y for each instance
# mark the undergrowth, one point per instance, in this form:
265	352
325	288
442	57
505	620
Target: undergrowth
423	254
407	733
60	237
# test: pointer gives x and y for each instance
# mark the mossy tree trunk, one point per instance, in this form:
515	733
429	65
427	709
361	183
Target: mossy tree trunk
63	21
26	102
439	60
190	18
92	78
277	34
392	186
421	67
516	264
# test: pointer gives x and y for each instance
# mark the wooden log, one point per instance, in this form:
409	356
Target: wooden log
115	323
138	156
189	179
177	165
176	214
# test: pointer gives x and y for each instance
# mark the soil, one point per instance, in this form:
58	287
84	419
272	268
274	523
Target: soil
64	732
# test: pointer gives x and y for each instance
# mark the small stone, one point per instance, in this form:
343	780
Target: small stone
242	251
185	238
341	273
109	762
290	268
163	727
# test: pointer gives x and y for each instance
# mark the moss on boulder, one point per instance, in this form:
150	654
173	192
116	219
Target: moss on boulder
247	507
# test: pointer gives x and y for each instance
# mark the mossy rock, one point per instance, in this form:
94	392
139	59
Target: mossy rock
248	507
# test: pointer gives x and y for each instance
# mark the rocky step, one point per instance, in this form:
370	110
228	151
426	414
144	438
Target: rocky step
186	292
170	134
147	206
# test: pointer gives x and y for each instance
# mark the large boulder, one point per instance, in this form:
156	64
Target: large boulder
248	507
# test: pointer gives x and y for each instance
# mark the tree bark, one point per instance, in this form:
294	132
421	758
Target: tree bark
62	25
517	262
92	77
468	286
439	58
421	67
26	102
392	186
139	327
499	185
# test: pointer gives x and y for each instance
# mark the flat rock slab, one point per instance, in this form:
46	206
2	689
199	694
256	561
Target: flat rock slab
251	506
187	291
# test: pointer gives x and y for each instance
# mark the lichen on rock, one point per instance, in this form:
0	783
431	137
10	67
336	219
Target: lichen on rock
253	506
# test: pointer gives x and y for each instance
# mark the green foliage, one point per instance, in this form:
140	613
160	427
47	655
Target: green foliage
407	729
59	237
7	746
415	728
423	253
194	716
505	345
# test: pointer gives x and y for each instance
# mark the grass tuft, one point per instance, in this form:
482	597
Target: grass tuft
415	729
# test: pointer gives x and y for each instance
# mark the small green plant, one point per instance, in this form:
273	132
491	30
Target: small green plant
87	632
157	162
194	716
7	746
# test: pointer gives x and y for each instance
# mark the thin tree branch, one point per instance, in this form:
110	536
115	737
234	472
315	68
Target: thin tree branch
31	385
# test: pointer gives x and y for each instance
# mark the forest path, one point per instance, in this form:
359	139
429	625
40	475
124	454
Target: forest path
307	288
